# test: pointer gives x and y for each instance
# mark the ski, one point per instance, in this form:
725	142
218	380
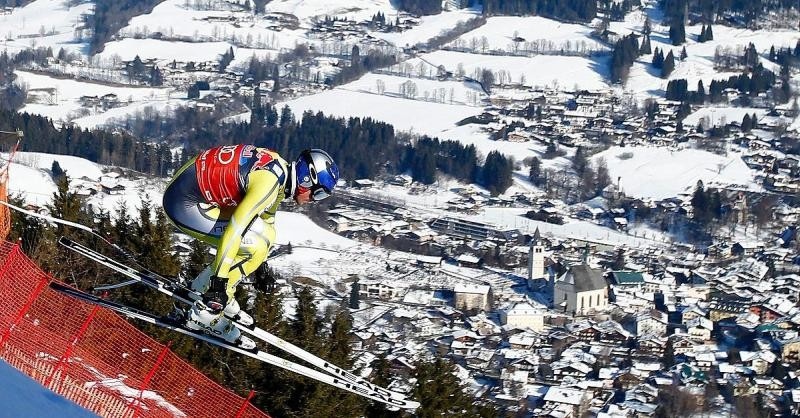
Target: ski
188	296
256	354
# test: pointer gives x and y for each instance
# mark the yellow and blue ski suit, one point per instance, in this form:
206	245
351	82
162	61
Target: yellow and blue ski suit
227	197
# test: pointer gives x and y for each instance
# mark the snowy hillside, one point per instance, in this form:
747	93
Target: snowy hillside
30	177
658	173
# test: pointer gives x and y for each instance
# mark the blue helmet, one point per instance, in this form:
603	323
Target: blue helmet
316	171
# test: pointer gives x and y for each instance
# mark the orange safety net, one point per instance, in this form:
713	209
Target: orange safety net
94	357
5	214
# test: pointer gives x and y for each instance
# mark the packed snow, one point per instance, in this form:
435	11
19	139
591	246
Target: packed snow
24	397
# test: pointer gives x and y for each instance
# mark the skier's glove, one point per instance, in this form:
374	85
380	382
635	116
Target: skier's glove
217	296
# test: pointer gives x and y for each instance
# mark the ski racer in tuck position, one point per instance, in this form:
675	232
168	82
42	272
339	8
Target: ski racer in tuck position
227	197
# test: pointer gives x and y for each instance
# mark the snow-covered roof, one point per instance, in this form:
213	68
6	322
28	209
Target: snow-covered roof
472	288
564	395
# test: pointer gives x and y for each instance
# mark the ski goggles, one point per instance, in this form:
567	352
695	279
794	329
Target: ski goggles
320	192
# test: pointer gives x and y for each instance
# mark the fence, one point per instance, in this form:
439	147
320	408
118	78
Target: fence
94	357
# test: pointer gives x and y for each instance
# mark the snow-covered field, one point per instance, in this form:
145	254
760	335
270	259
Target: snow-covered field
551	35
658	173
415	116
128	48
449	92
175	20
58	98
564	72
720	116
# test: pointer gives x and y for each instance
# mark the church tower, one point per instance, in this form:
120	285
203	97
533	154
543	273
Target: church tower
535	258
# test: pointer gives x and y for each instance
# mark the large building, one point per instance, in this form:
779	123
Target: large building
580	291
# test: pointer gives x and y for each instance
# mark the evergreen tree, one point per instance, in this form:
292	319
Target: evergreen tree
750	58
29	230
709	34
700	204
287	118
327	401
747	125
197	260
645	48
56	171
193	92
677	32
306	324
658	58
624	53
619	260
668	65
381	377
271	116
701	92
496	173
355	300
257	113
535	173
276	79
66	205
668	359
683	53
439	391
355	56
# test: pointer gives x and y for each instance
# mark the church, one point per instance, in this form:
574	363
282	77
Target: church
582	290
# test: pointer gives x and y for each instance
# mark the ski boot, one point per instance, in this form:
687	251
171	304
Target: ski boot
217	325
232	310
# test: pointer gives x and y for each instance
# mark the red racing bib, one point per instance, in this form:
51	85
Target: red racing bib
218	174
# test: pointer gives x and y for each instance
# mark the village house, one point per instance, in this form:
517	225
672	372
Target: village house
651	322
378	289
565	401
523	315
472	297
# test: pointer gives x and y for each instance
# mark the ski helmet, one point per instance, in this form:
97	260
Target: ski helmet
316	171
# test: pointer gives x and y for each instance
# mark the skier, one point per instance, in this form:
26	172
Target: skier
227	197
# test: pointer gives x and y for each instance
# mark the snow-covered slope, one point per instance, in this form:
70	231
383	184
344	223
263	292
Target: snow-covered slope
23	397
